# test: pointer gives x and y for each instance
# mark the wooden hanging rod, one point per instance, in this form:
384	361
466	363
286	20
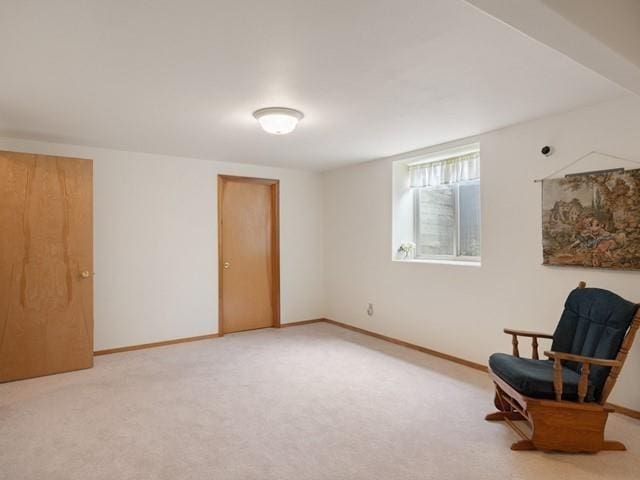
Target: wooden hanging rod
595	172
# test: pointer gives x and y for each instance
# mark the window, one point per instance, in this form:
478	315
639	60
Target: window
446	207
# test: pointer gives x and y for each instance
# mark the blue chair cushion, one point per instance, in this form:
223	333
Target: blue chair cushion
534	378
593	324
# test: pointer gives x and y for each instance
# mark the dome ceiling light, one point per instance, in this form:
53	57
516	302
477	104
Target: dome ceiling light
278	120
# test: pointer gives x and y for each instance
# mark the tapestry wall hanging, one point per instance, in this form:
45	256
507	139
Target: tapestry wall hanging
592	220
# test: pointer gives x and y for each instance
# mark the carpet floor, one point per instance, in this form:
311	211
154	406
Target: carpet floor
308	402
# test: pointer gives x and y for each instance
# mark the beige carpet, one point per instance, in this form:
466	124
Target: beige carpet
308	402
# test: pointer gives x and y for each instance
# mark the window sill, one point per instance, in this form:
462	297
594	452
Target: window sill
463	263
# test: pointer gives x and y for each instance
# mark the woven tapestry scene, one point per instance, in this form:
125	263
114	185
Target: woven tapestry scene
592	220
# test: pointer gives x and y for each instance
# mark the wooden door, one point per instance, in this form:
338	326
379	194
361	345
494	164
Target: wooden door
249	278
46	265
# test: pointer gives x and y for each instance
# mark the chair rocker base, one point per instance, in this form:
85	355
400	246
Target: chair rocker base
498	416
562	426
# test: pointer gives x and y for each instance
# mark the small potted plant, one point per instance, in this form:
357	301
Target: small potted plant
406	249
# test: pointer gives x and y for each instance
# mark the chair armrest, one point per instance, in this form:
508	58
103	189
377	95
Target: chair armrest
523	333
582	359
583	384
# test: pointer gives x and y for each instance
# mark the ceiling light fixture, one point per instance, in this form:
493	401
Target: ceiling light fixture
278	120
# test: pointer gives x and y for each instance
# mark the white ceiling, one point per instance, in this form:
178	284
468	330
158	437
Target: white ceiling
602	36
374	78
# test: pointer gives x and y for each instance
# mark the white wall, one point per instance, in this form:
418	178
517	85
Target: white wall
155	242
461	310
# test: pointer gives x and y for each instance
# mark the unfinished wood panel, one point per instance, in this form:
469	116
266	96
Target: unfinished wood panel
248	253
46	265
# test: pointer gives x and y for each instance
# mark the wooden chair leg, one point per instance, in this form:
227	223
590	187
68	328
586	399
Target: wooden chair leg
613	445
499	416
505	411
523	445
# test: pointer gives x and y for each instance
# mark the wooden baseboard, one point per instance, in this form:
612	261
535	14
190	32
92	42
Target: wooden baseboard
189	339
303	322
435	353
155	344
629	412
452	358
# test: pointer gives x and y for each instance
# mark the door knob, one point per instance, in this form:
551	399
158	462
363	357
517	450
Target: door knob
85	274
226	265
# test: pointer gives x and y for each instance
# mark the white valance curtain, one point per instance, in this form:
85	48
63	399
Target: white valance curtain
445	172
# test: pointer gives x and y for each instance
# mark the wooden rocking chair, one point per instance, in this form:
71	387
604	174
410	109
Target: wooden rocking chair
563	398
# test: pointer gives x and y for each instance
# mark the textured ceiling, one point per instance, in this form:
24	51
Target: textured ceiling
374	78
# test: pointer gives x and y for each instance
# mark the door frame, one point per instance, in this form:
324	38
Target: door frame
275	244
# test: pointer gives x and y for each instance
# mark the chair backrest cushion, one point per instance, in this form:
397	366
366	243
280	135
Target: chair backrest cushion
593	324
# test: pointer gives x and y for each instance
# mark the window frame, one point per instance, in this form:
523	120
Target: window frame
456	234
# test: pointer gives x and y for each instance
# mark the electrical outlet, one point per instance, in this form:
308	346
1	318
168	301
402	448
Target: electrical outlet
370	310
